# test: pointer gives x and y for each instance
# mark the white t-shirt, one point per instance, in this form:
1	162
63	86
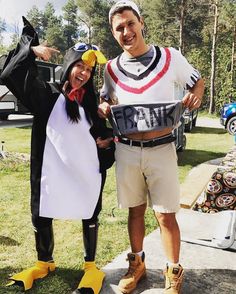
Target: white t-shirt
152	79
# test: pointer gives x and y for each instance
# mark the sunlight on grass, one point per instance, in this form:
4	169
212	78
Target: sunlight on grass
203	144
16	139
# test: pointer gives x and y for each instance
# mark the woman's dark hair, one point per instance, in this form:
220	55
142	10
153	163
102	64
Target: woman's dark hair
89	102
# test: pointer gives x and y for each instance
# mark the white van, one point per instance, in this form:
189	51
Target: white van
9	104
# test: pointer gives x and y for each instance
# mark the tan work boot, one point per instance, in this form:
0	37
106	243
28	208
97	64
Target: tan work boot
136	271
173	279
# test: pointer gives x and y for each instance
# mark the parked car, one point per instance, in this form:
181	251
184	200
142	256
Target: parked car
228	117
190	119
9	104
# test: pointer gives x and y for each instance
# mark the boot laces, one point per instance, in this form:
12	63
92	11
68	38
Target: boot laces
175	281
132	267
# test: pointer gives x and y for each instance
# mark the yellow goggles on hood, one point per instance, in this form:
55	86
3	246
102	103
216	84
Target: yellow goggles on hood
91	55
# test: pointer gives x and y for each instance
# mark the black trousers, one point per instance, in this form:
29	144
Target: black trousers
44	232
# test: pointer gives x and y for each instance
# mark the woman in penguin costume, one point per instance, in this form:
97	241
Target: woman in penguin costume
68	149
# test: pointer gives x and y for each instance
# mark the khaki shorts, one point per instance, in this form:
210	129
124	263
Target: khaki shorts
148	175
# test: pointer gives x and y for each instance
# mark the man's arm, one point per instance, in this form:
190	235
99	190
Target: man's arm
193	99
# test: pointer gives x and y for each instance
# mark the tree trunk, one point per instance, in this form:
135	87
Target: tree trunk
213	60
181	25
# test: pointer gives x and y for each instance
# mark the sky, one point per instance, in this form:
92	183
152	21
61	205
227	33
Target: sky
12	10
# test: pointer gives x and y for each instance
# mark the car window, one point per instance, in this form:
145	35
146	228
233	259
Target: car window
44	73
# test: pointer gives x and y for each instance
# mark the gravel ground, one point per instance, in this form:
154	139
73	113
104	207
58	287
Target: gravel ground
209	122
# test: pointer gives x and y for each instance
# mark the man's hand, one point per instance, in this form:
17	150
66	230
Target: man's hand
44	52
193	99
104	110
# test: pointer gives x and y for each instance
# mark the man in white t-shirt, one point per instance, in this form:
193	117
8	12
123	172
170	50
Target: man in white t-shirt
139	93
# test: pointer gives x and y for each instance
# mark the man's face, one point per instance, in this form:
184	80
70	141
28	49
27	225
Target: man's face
80	74
127	30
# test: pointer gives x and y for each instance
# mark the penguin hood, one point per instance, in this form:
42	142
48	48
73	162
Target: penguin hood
71	57
90	54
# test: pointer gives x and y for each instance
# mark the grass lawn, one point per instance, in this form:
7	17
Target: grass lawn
16	234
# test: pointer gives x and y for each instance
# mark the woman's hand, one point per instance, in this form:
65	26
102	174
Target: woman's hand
44	52
104	143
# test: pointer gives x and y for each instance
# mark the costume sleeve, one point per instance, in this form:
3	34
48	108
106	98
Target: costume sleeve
186	74
20	70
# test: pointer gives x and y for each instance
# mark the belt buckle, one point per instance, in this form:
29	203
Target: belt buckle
141	144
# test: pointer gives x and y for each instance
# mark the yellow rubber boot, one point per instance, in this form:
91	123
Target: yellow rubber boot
27	277
92	278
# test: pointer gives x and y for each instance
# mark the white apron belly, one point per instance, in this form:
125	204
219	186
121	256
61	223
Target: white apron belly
70	181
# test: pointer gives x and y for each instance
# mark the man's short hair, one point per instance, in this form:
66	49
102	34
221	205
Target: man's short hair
122	5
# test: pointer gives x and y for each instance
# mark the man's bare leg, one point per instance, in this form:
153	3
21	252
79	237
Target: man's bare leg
136	227
170	235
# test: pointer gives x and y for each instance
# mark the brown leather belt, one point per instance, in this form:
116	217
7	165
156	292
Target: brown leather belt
149	143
